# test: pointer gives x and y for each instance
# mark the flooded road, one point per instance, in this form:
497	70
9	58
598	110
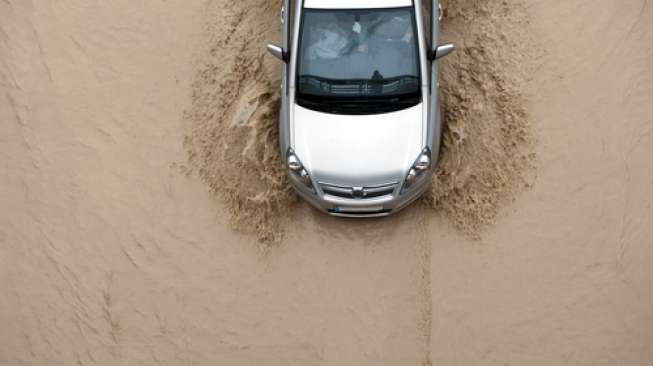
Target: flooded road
116	249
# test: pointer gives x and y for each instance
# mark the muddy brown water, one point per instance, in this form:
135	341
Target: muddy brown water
487	150
116	249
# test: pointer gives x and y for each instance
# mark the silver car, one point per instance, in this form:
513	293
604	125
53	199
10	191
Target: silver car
360	124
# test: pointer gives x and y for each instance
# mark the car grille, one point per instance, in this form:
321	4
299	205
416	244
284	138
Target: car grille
358	192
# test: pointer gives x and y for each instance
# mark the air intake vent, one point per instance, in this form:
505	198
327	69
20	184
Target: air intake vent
358	192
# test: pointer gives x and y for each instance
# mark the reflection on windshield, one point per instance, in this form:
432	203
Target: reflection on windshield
358	54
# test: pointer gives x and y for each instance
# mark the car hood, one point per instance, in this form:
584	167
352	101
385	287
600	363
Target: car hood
358	150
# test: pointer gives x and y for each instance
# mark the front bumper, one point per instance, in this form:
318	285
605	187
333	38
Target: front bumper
363	208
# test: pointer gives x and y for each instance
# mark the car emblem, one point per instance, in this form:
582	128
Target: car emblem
358	192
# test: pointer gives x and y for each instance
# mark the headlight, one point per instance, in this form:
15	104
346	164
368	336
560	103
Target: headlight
297	170
419	170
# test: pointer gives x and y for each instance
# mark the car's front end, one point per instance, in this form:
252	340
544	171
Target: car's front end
374	200
362	165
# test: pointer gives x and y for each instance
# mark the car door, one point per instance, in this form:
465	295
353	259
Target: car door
287	22
433	11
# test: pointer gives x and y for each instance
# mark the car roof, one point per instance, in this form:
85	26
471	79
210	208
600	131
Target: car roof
356	4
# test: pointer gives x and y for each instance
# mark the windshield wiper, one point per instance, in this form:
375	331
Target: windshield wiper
312	84
363	105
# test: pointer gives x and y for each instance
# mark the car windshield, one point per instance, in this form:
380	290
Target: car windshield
358	61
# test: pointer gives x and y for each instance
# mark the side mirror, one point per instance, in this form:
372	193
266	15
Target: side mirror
442	50
277	52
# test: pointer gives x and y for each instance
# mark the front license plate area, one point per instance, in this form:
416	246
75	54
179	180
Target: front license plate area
348	209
